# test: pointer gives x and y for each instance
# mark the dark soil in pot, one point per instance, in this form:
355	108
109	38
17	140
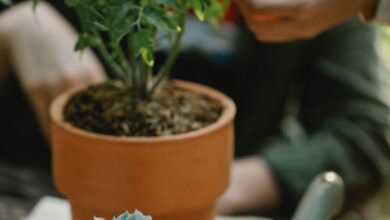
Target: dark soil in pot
112	108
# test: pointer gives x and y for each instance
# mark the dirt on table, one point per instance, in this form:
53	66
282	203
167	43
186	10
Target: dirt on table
112	108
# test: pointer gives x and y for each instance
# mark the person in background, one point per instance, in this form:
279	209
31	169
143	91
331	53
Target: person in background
304	107
286	20
39	48
37	62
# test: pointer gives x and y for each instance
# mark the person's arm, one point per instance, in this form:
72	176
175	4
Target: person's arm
39	46
252	188
286	20
344	109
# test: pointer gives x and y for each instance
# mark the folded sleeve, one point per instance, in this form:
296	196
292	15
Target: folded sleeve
343	108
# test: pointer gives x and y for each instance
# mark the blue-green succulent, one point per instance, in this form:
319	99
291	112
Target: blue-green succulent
137	215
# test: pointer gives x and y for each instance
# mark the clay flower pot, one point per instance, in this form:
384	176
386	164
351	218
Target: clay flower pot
178	177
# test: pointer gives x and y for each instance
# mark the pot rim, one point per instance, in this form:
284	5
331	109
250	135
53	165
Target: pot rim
56	115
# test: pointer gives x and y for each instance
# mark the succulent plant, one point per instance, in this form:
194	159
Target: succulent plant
137	215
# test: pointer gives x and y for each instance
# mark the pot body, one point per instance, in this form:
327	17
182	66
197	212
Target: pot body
176	177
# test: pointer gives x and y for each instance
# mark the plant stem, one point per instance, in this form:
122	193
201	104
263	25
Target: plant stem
146	74
124	63
132	61
173	53
118	71
138	21
137	74
148	78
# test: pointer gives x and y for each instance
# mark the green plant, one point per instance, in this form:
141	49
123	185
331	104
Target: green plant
9	2
384	47
127	216
111	25
6	2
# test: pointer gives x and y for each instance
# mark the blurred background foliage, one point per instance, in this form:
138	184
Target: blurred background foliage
384	47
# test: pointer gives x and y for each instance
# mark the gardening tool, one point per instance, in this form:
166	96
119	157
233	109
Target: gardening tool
323	199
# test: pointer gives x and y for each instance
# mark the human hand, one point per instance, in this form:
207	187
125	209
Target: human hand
286	20
39	46
252	188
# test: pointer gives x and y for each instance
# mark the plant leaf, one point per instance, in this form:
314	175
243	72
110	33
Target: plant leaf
160	19
142	45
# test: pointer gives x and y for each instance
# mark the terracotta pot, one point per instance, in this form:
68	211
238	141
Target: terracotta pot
179	177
